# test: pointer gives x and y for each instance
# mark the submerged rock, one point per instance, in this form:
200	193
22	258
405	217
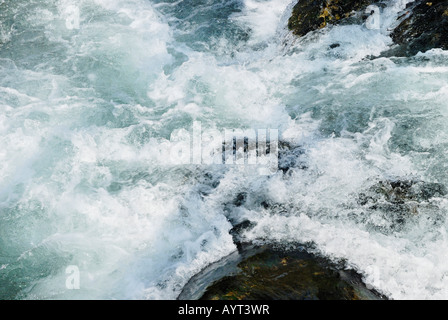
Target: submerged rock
272	274
390	205
310	15
424	26
403	191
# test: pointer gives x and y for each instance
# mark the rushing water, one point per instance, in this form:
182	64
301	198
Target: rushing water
85	112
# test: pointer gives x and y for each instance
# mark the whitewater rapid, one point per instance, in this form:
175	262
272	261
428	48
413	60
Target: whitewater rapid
85	113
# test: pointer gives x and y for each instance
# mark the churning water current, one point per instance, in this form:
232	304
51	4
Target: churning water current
84	113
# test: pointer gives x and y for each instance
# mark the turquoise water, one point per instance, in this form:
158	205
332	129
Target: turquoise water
85	115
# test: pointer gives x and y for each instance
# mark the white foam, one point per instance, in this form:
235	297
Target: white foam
263	17
85	136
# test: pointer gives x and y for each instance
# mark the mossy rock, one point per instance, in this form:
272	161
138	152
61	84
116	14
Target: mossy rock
310	15
273	274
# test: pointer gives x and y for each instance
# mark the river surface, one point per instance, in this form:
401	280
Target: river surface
87	107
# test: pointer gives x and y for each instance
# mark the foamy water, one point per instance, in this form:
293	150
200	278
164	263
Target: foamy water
86	112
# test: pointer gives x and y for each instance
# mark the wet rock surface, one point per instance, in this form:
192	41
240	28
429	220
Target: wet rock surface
399	191
267	273
310	15
424	27
390	205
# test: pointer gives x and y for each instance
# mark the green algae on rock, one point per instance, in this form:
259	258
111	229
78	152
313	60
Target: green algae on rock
272	274
310	15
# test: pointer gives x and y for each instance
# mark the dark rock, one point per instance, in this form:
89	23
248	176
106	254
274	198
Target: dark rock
398	203
310	15
240	199
401	191
272	274
290	156
237	231
424	27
